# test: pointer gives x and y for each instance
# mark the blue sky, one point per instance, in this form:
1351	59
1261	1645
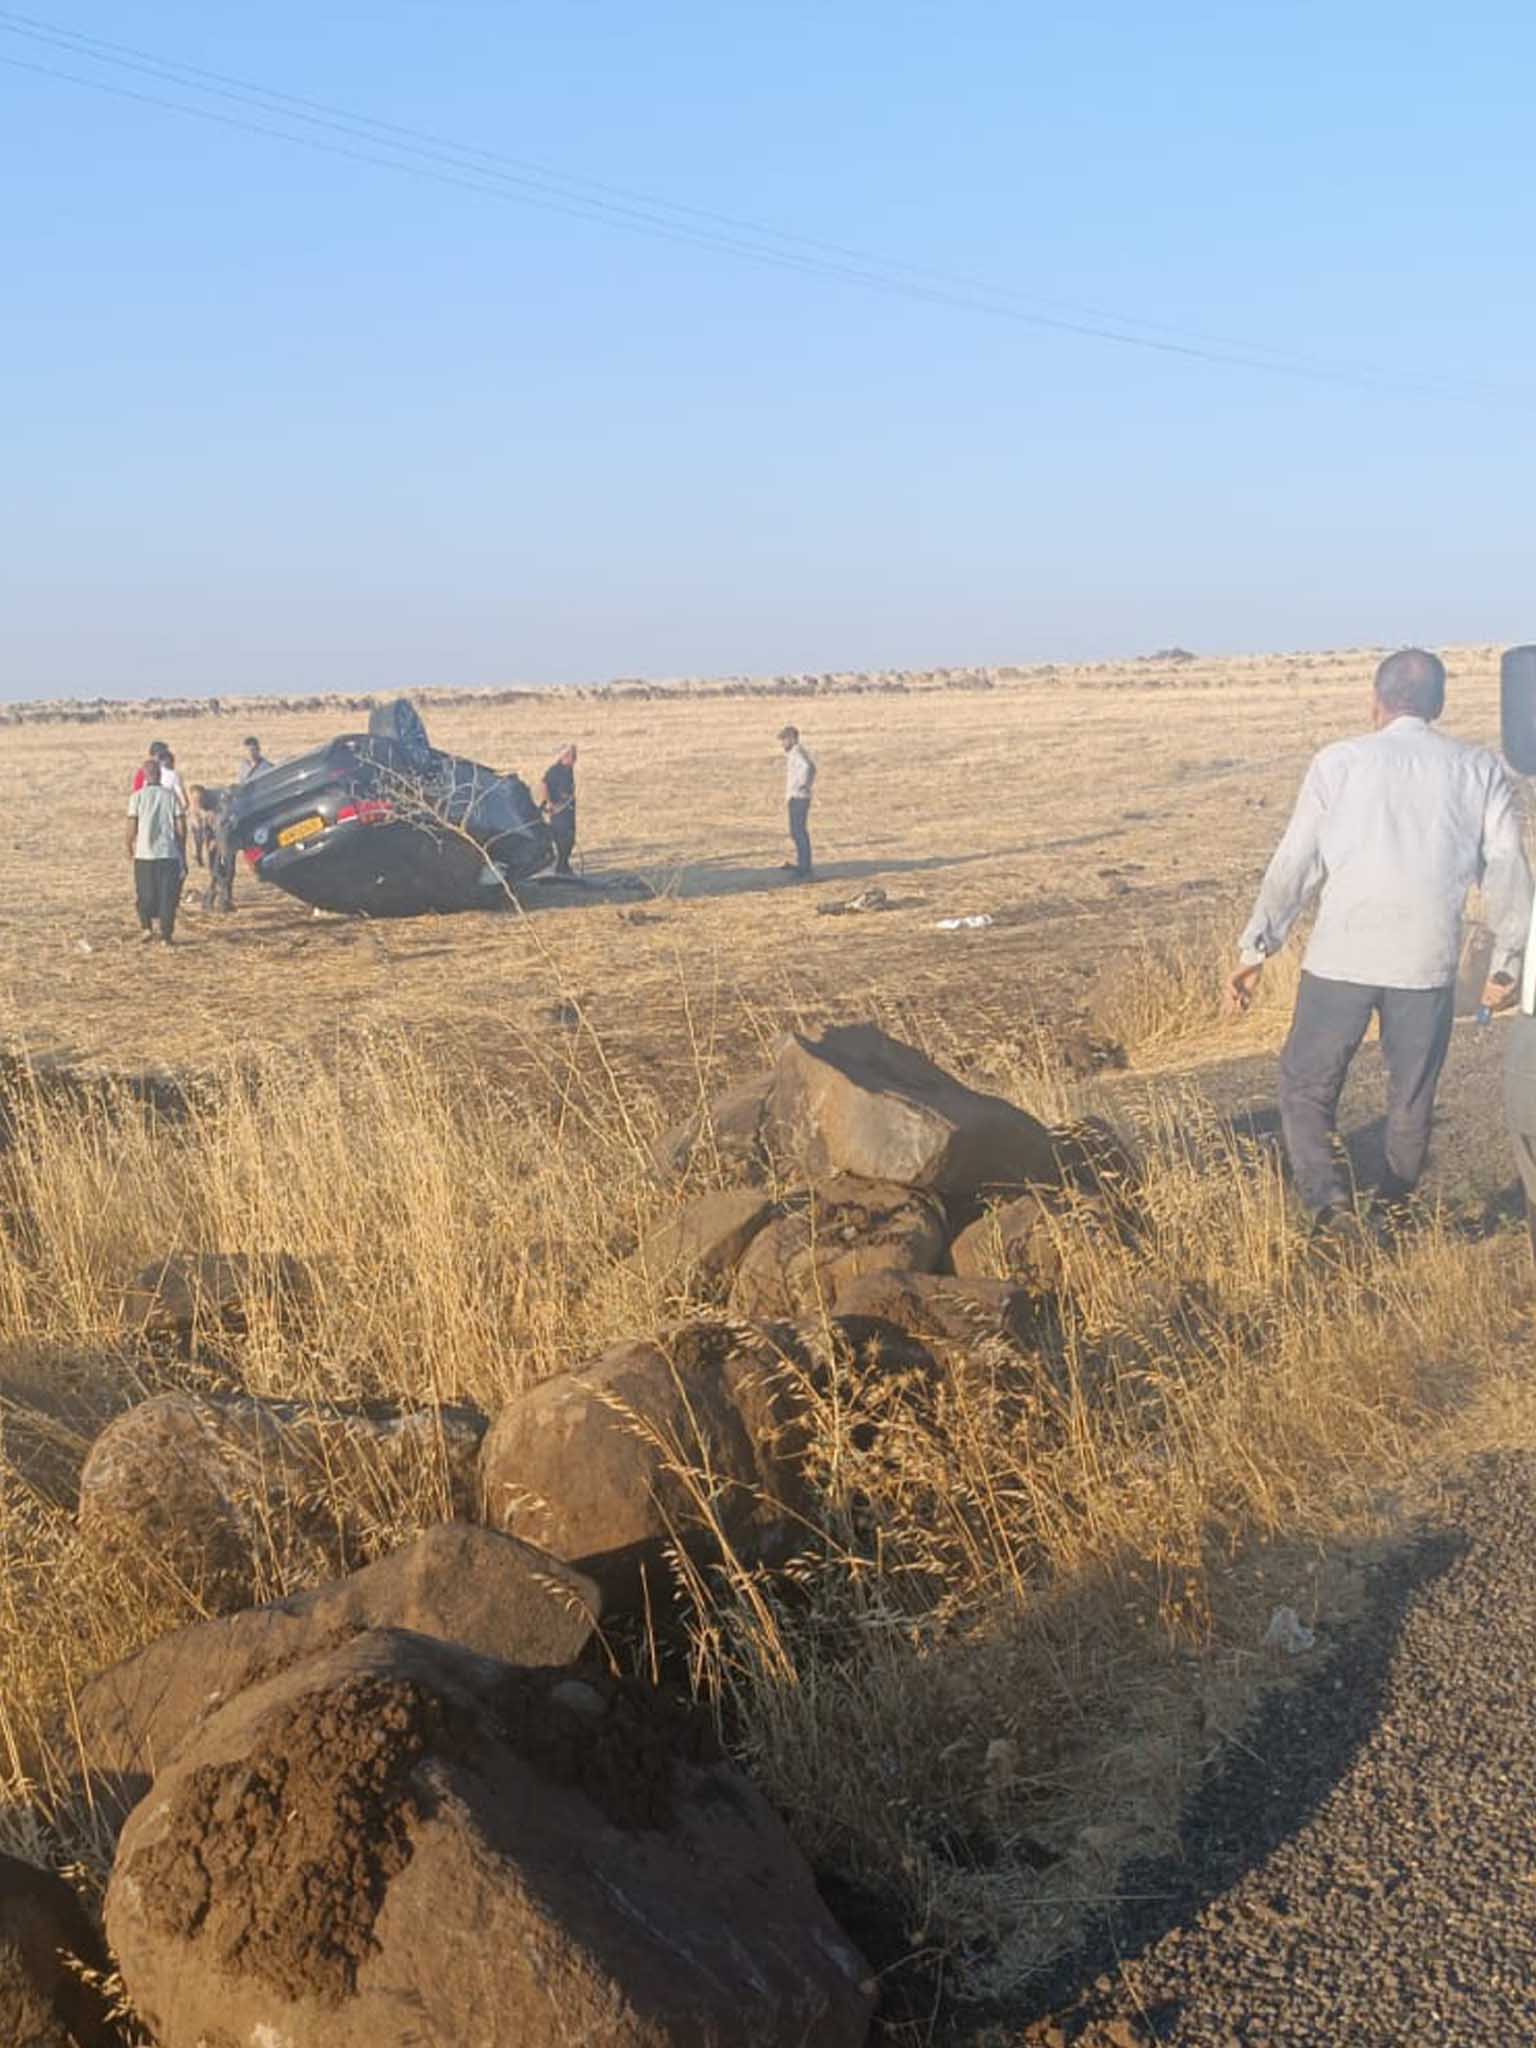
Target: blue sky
276	418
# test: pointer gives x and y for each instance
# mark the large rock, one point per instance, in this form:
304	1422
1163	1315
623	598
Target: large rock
685	1441
194	1485
189	1291
703	1244
845	1228
403	1843
1026	1240
486	1591
725	1136
44	2002
936	1308
857	1101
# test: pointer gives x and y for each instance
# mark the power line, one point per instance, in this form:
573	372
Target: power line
103	50
415	152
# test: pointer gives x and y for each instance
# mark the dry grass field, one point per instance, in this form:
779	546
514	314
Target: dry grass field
1081	808
1028	1621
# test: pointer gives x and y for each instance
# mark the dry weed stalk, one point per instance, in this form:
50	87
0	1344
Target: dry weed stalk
971	1693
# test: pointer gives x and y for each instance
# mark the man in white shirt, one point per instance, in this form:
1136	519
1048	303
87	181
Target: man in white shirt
157	846
170	775
799	781
1390	831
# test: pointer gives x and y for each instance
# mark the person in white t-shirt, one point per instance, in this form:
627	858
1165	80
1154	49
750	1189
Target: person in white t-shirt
157	846
170	777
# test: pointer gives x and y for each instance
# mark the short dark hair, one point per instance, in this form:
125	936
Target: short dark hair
1412	683
159	749
251	740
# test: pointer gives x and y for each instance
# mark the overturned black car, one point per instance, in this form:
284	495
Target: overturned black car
385	824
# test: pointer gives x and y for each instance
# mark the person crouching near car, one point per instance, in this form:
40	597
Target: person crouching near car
157	847
202	822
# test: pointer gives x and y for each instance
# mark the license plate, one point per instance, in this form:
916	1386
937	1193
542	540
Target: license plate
305	829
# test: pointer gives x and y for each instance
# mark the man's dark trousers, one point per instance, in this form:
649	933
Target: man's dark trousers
562	830
800	832
220	893
157	891
1330	1021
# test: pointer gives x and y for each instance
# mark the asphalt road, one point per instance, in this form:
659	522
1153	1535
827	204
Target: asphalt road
1363	1870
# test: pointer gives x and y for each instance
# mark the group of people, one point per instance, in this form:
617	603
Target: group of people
1390	832
166	820
164	817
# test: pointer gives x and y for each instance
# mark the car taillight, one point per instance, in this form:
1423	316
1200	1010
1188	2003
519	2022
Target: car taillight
367	810
253	855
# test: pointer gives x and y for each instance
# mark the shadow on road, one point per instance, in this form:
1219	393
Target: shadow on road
1273	1781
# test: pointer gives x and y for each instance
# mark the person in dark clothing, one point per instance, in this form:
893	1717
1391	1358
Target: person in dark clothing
557	798
157	846
211	834
202	822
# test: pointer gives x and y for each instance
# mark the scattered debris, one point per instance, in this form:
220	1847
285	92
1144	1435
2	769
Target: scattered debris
975	923
866	900
1285	1632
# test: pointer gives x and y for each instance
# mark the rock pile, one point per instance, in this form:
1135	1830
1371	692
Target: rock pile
409	1805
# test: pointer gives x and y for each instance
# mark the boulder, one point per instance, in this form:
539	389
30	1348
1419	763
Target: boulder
856	1101
681	1441
844	1228
189	1291
403	1843
1022	1241
725	1135
194	1484
486	1591
44	2002
703	1244
937	1308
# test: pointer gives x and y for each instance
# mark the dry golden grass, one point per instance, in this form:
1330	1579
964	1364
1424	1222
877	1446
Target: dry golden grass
1032	1604
1093	805
1002	1620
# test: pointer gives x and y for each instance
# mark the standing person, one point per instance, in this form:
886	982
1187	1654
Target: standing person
557	799
255	762
211	833
1389	832
170	777
157	846
161	753
202	822
799	781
